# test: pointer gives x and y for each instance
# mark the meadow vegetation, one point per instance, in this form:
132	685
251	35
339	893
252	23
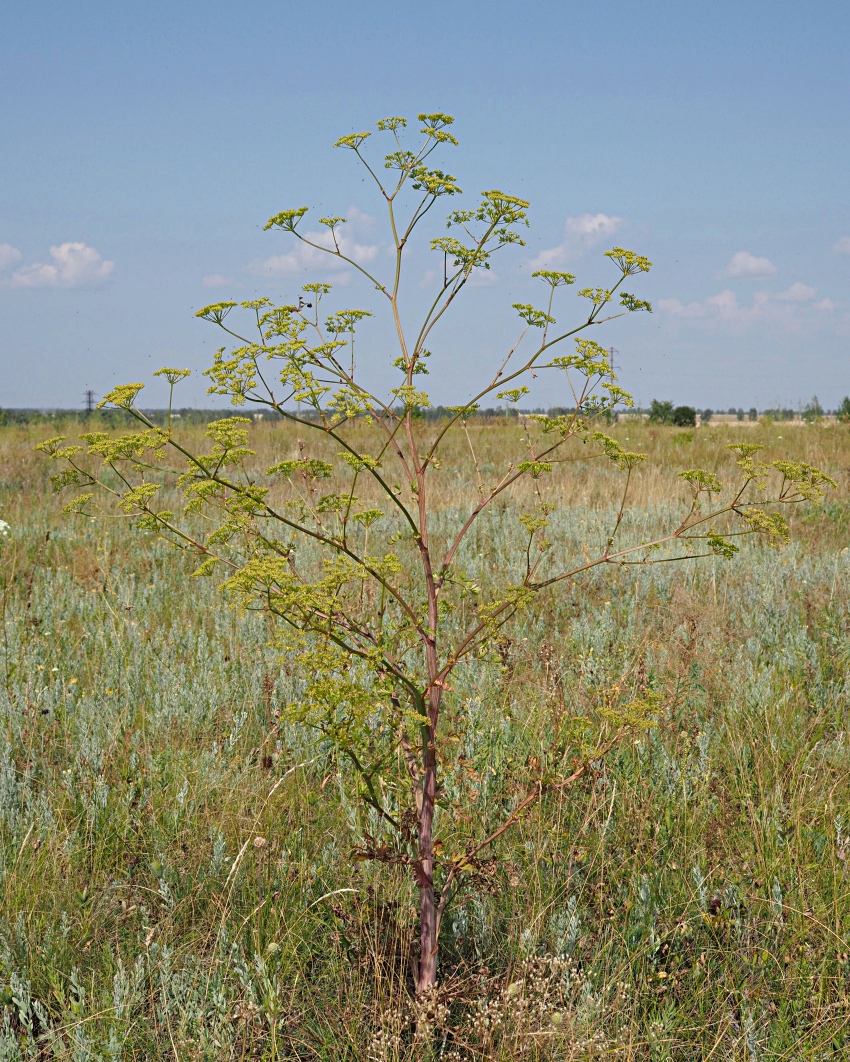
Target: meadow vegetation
181	859
373	582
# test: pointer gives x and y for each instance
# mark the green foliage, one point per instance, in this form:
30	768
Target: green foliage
369	591
684	417
663	412
813	411
660	412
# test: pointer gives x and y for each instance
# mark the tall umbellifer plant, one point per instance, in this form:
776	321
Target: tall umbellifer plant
338	539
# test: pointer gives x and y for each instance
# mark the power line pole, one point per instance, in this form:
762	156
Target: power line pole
611	352
89	401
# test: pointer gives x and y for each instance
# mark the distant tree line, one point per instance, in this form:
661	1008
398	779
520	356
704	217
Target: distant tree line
659	412
664	412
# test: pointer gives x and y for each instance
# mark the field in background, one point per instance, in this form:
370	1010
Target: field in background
175	862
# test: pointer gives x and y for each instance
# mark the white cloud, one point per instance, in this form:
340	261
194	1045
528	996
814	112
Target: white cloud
432	279
301	257
484	278
787	308
9	255
843	245
797	293
217	280
74	265
359	220
744	264
592	228
724	304
581	232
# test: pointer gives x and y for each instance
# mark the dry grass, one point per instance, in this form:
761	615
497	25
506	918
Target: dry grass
690	900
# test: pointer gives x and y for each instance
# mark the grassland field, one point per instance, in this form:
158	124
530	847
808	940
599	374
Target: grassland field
175	857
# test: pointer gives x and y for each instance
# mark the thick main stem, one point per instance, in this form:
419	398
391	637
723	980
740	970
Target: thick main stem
428	942
428	925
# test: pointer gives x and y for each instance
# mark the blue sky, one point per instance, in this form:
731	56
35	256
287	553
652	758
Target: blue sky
146	145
